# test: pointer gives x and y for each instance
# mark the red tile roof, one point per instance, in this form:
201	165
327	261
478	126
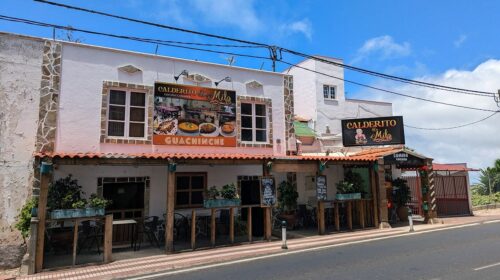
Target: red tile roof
197	156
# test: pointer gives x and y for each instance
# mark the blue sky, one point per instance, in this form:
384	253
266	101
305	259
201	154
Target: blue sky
451	42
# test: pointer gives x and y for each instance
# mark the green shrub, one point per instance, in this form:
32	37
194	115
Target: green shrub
229	191
24	217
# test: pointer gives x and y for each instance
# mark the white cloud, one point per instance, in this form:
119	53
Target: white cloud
384	46
459	41
303	26
239	13
478	144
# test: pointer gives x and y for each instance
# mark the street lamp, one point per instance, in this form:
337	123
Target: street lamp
226	79
184	72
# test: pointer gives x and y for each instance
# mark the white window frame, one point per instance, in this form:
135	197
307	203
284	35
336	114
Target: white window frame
330	87
254	123
127	121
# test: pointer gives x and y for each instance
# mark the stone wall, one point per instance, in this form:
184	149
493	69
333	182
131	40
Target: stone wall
20	80
289	110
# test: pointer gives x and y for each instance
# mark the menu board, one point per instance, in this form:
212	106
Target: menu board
321	187
373	131
194	116
267	192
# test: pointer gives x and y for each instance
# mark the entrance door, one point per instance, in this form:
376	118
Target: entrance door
250	195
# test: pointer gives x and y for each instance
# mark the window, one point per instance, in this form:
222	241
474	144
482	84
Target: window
127	114
329	92
253	122
189	189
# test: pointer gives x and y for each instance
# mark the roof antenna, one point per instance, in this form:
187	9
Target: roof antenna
231	60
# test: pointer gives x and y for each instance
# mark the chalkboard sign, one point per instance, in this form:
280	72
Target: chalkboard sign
321	187
267	192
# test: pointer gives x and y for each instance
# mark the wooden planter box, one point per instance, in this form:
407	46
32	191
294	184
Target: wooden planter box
216	203
76	213
348	196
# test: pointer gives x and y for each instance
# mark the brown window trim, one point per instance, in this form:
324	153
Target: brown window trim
190	174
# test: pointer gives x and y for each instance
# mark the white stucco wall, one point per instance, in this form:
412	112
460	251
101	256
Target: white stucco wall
217	175
85	67
334	173
20	78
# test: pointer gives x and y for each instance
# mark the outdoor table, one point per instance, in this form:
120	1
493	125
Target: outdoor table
132	222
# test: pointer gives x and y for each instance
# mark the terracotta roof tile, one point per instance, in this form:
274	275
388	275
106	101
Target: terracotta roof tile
197	156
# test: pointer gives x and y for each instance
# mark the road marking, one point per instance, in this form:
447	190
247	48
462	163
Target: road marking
168	273
491	222
487	266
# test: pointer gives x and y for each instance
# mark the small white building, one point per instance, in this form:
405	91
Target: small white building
320	100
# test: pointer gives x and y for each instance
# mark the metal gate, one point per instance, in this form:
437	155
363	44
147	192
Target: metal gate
415	203
451	195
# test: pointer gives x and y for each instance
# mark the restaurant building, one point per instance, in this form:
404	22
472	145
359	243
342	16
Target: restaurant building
154	134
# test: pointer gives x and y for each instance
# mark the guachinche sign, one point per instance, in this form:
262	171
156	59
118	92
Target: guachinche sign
373	131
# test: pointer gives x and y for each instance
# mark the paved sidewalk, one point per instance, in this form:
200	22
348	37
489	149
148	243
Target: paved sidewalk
151	264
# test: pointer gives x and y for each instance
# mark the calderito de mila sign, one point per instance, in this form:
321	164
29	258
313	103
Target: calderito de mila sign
373	131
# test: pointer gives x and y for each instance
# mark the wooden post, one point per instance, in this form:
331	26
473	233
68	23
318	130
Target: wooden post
42	209
32	245
231	224
382	196
337	217
249	224
349	214
169	228
75	239
267	223
108	239
212	227
193	229
373	183
362	213
321	218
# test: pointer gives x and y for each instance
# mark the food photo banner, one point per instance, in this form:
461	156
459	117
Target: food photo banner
194	116
373	131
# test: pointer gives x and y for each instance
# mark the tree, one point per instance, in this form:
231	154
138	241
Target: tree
490	178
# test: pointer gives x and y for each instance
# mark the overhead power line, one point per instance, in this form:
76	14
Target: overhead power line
453	127
139	39
388	91
391	77
435	128
274	48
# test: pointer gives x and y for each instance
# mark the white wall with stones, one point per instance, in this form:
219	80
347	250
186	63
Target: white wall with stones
20	78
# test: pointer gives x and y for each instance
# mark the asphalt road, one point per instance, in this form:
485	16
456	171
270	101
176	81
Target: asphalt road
463	253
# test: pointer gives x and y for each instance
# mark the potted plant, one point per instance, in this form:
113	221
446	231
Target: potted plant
346	190
287	202
356	180
61	196
79	208
401	196
98	205
226	197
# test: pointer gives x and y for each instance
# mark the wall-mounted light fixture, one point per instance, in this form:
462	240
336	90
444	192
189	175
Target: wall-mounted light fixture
184	72
226	79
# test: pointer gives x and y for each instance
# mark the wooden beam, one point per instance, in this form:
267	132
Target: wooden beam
337	217
169	228
108	239
231	225
362	213
249	224
349	214
193	229
212	227
295	167
267	223
42	210
321	218
75	239
373	184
